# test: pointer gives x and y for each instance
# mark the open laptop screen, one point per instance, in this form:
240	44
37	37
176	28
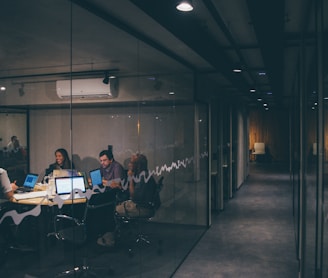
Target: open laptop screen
95	177
64	185
30	180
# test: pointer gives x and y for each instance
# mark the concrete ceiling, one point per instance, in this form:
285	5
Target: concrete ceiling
44	38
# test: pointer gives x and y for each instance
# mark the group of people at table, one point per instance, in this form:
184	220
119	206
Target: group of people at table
137	195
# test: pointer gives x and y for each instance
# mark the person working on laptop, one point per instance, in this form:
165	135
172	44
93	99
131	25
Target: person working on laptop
62	162
112	173
7	188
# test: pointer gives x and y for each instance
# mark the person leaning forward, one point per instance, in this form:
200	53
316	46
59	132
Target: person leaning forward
113	174
142	189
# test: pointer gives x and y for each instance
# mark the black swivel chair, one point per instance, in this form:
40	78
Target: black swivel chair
8	236
74	231
133	225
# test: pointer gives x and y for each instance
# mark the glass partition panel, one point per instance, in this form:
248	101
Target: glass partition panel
13	143
145	107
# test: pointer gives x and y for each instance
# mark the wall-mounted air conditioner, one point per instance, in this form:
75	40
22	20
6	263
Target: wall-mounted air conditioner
86	88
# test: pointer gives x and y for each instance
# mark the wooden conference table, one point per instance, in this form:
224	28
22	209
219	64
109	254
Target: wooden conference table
44	200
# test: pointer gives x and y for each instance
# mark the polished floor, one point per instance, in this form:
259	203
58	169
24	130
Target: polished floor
254	236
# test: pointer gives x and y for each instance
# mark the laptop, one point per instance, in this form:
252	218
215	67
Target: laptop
95	176
29	183
67	185
64	173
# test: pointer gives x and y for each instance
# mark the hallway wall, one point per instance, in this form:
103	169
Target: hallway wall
272	128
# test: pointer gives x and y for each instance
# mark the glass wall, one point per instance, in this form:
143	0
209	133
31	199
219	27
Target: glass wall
59	100
309	149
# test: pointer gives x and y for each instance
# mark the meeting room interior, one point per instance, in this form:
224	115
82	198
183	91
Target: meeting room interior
135	78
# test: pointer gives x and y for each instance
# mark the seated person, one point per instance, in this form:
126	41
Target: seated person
62	162
7	188
112	173
14	148
142	189
6	194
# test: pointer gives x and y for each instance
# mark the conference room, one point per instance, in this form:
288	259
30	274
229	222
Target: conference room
85	105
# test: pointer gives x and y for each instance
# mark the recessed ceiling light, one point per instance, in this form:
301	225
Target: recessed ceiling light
261	73
252	90
185	6
2	88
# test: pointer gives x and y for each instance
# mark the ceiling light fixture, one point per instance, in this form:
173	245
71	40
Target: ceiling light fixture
2	88
238	67
184	6
237	70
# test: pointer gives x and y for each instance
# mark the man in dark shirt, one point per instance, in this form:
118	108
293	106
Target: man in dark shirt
113	175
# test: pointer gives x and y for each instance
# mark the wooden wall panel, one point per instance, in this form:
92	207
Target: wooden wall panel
272	128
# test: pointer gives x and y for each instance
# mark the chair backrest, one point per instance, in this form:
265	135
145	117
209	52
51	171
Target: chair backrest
259	148
157	197
73	229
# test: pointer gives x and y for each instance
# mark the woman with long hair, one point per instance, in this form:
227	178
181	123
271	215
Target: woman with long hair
62	162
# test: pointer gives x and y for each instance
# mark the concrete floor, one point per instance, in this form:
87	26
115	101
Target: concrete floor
254	236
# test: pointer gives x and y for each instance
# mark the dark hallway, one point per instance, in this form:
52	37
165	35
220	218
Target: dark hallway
254	236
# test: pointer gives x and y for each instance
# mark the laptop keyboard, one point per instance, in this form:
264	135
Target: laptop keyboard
68	196
30	195
23	189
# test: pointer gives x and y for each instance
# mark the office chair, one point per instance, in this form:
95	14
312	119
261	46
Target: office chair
259	149
8	236
74	231
136	223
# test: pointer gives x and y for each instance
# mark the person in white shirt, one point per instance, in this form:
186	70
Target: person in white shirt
7	188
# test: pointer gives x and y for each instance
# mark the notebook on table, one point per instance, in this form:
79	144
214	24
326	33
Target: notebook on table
29	183
67	187
95	176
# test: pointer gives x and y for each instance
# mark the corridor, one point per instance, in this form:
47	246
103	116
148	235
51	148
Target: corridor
254	236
